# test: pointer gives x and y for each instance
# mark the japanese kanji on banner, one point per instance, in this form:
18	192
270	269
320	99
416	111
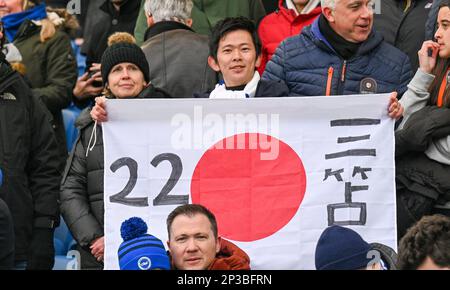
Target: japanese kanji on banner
275	172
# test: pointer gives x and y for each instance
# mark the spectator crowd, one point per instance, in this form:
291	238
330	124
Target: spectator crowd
55	63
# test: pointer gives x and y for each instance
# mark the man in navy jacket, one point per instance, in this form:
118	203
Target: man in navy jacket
339	54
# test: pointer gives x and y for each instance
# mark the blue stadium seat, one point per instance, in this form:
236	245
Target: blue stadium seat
69	116
81	59
64	243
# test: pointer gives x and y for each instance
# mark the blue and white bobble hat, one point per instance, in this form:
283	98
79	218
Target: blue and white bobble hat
139	250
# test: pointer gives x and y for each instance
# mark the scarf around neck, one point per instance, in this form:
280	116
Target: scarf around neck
12	22
344	48
249	91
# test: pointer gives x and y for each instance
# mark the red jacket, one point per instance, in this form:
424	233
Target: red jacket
230	257
279	25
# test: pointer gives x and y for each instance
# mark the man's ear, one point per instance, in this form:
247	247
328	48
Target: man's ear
329	14
218	244
213	64
168	244
150	20
258	61
189	22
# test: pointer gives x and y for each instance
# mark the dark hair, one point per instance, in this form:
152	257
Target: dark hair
230	24
430	237
439	72
190	210
444	3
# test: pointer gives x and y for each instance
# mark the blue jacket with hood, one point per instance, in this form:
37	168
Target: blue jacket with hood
308	64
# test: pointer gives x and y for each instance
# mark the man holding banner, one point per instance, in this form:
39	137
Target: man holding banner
339	54
235	53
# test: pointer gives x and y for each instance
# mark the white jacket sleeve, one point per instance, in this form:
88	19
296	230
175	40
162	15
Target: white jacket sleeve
417	95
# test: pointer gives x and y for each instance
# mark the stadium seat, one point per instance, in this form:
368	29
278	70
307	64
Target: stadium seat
64	243
69	116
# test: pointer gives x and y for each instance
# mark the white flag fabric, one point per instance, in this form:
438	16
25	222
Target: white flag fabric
275	171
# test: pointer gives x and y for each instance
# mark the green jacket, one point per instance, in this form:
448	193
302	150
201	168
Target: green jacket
51	70
206	13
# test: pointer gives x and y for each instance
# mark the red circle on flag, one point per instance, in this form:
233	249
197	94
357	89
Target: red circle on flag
253	189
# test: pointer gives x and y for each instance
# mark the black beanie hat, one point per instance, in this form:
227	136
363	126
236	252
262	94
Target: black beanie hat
124	52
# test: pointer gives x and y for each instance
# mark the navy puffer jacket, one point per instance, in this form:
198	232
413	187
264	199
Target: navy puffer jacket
305	61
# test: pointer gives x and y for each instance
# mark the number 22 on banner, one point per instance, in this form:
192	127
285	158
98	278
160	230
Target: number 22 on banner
163	197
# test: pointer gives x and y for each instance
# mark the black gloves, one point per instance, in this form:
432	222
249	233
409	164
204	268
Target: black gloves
41	254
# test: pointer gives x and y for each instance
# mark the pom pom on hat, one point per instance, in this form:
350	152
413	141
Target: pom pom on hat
121	37
133	228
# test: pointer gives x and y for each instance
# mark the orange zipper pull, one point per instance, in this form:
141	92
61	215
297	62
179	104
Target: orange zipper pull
329	80
344	68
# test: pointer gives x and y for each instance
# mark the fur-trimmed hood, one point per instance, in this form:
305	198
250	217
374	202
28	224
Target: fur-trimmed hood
60	18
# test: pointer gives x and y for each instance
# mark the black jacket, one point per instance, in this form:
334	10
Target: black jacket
57	3
82	185
265	89
52	71
108	21
28	160
414	170
6	237
406	31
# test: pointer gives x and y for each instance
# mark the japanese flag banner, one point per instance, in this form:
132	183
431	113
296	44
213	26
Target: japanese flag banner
274	171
